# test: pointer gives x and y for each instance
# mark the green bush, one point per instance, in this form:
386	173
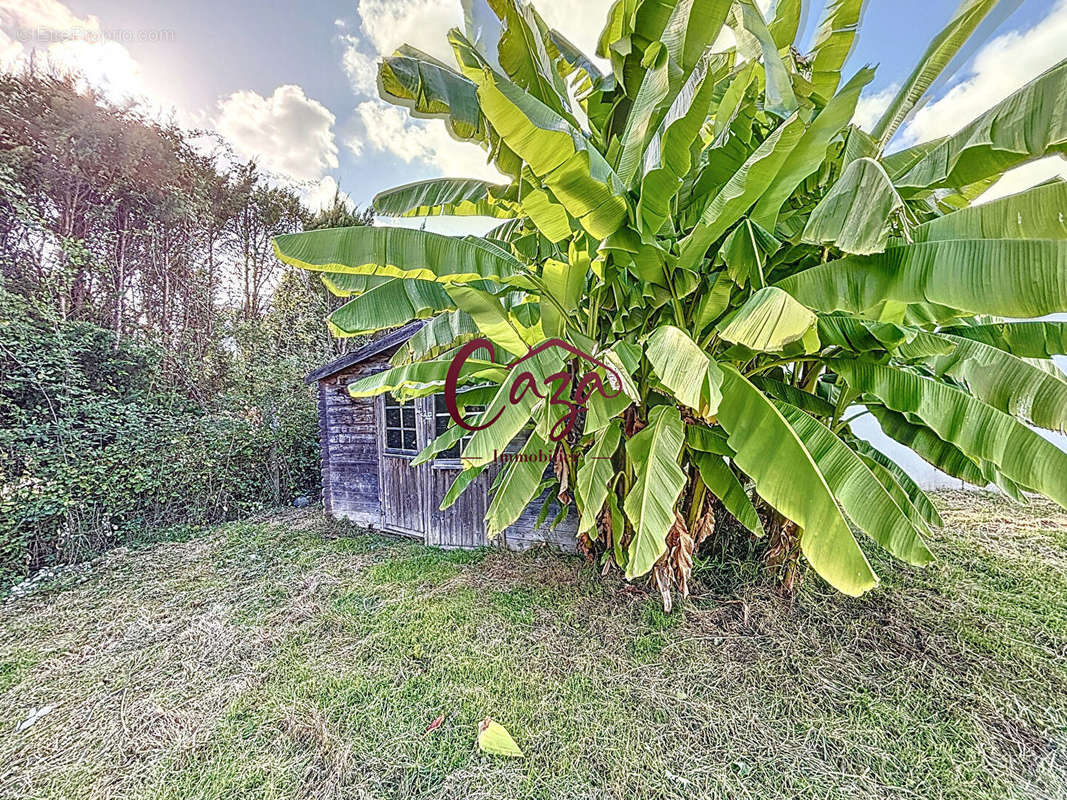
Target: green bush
95	448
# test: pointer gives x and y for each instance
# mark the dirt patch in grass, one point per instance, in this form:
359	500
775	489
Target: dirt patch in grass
285	657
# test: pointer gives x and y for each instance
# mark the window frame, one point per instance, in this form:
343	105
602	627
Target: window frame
388	403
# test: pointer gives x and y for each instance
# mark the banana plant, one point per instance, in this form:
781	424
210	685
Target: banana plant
743	270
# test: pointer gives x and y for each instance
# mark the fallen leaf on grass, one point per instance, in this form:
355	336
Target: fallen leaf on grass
494	739
435	724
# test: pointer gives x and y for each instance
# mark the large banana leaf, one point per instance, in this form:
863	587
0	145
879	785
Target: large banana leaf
518	486
930	447
978	429
721	482
1005	381
504	419
431	89
895	473
741	191
398	253
1034	214
1028	124
769	451
1023	339
443	332
524	56
492	319
456	197
1009	277
684	369
557	153
780	98
423	377
649	505
768	321
668	156
863	497
347	284
941	51
810	151
788	15
833	42
390	305
854	215
595	475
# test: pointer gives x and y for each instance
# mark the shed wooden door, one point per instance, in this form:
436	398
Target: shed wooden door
401	432
411	496
463	523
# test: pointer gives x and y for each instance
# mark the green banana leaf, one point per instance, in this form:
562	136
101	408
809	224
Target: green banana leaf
398	253
649	505
978	429
792	483
519	484
394	303
1036	213
557	153
907	484
1023	339
1009	277
810	151
455	197
595	475
768	321
684	369
854	215
941	51
443	332
721	482
862	496
741	191
1026	125
834	39
1005	381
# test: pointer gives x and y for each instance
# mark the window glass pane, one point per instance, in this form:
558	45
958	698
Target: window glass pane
392	439
392	417
452	452
408	411
409	439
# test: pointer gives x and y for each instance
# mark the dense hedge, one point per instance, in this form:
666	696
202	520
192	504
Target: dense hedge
96	450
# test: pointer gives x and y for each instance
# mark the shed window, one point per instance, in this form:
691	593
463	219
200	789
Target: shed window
400	434
442	420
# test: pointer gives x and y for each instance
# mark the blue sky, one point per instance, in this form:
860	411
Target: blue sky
292	84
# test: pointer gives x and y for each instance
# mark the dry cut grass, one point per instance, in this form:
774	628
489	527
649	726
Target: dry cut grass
278	658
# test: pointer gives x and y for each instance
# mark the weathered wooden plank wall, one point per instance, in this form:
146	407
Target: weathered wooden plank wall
349	441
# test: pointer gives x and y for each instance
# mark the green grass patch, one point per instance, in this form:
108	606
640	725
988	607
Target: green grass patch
283	658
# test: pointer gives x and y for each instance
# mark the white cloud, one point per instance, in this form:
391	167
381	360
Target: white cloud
361	68
389	129
870	107
1020	178
319	195
420	23
64	41
288	132
1002	66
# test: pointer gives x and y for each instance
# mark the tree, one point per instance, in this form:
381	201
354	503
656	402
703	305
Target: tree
711	226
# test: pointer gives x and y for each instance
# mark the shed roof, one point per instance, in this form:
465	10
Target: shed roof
387	342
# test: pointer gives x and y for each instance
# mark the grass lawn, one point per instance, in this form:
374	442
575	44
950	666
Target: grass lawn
288	658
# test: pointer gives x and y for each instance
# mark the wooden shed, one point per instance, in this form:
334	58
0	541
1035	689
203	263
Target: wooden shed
368	445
